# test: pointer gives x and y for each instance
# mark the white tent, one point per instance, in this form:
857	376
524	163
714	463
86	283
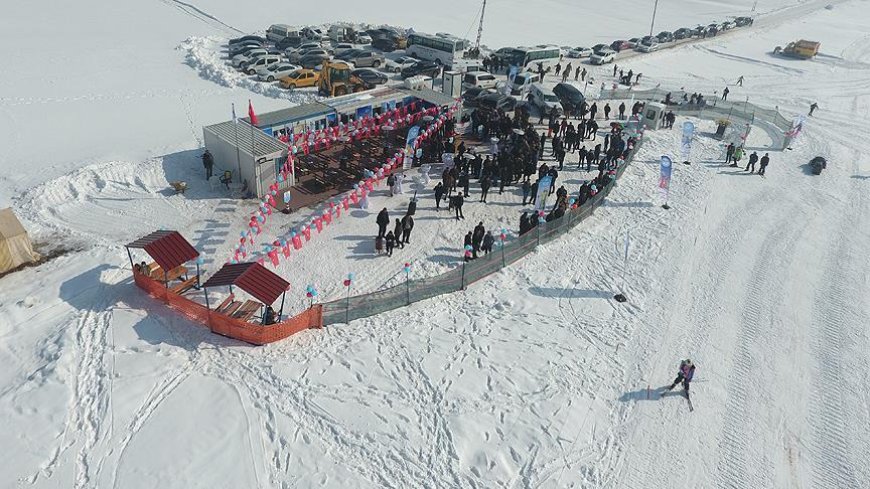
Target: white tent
15	247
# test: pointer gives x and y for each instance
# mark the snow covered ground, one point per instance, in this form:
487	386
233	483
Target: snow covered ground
532	378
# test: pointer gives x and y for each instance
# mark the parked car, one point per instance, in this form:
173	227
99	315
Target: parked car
683	33
570	97
275	71
699	31
266	61
603	56
313	61
296	56
236	47
580	52
647	40
599	47
523	82
648	48
633	42
299	79
544	98
504	54
818	164
396	65
619	45
246	38
496	100
665	36
313	34
276	32
244	48
342	47
367	58
385	44
289	43
478	79
347	55
427	68
712	30
743	21
369	76
240	59
470	96
726	26
363	39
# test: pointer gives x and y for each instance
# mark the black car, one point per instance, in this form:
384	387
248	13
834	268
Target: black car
497	100
237	40
471	96
711	30
570	96
599	47
385	44
369	76
289	42
817	164
665	36
244	46
648	40
427	68
349	54
684	33
743	21
312	61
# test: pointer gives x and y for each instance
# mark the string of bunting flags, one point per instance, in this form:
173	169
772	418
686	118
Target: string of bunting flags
280	247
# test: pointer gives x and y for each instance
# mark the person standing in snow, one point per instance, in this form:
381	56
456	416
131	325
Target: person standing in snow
558	68
488	241
752	159
621	110
729	153
466	243
208	163
383	221
398	233
583	75
391	243
407	226
725	94
764	161
607	111
457	203
593	109
740	81
577	73
813	108
637	78
485	184
684	375
477	238
439	194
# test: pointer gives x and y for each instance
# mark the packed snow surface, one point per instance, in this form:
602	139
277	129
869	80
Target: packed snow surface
534	377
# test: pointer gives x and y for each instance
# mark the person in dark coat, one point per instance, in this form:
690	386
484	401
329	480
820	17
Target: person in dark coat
391	243
527	188
729	153
485	184
466	243
458	200
398	233
488	241
383	221
753	158
477	238
524	223
439	194
464	182
208	163
607	111
764	162
591	129
622	110
554	173
407	226
593	110
533	196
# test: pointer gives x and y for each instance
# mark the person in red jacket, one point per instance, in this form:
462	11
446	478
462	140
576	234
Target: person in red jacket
684	375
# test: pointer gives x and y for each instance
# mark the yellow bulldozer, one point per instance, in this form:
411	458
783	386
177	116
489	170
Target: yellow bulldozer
802	49
336	79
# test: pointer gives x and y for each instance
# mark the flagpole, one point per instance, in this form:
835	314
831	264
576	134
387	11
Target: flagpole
236	131
253	148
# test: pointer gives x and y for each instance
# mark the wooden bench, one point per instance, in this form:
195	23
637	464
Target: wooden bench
225	303
184	286
231	309
157	273
247	310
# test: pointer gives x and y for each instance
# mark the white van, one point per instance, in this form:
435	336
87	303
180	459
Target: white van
544	98
523	82
277	32
262	62
480	79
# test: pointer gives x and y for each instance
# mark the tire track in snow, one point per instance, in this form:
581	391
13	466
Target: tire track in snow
197	13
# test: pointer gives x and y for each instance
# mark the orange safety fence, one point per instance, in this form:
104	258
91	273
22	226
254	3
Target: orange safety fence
222	324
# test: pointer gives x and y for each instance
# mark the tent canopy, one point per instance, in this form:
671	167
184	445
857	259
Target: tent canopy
253	278
15	246
168	248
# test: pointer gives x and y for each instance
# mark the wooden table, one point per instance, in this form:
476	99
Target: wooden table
247	310
157	273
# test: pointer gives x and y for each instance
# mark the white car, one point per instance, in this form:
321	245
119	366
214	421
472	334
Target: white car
363	39
240	59
266	61
276	71
648	48
398	64
603	57
579	52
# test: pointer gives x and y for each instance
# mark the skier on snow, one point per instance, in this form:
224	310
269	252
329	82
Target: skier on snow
684	375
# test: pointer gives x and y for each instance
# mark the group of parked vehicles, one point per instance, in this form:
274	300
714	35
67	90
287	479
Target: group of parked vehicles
606	53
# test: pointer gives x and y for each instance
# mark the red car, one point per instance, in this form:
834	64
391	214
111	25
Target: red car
620	45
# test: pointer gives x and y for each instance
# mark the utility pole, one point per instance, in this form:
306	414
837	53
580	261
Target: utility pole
653	23
480	27
754	5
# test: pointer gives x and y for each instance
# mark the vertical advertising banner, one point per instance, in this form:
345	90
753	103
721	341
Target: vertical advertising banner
543	190
688	134
665	179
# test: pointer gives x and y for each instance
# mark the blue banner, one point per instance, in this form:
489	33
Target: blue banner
543	189
413	132
665	179
688	134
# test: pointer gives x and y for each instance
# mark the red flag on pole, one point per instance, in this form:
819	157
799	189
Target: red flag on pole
252	115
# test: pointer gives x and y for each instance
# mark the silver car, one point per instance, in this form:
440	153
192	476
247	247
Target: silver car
276	71
366	59
240	59
296	56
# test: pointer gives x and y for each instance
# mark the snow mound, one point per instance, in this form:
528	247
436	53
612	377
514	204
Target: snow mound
205	55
